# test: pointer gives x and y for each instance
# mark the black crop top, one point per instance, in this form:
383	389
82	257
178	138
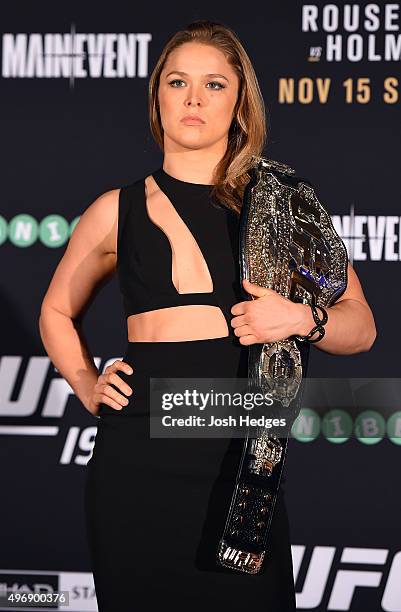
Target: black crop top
144	253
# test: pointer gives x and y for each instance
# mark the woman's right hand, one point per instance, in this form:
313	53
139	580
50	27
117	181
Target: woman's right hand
104	393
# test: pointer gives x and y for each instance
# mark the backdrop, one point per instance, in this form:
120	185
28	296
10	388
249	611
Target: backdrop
73	125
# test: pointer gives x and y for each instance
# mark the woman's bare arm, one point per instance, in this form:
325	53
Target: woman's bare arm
351	326
87	264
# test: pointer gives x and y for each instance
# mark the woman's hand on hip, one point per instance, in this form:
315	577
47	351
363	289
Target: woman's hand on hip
103	391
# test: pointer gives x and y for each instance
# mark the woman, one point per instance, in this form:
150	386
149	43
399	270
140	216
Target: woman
156	508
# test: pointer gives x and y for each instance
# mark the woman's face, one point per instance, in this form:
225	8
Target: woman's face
197	80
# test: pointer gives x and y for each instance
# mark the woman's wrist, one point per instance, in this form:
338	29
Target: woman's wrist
305	322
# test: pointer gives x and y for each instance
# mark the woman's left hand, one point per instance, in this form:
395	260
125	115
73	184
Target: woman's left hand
269	317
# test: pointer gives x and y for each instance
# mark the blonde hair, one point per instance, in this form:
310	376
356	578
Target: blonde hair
247	133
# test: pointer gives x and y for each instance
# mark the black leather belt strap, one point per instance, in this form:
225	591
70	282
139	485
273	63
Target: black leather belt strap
245	538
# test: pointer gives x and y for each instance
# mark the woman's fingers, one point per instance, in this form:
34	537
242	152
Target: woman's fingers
106	397
116	380
110	393
119	364
110	383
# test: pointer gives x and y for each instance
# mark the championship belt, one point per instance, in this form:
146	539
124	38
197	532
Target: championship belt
287	243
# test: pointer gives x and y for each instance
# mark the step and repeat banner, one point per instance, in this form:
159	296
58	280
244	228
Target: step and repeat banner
74	124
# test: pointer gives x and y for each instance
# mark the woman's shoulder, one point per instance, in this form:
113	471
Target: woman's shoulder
107	202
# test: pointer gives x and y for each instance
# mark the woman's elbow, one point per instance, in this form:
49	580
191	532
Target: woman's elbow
370	336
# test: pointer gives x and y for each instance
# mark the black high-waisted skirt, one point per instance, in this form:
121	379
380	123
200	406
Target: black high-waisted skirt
156	507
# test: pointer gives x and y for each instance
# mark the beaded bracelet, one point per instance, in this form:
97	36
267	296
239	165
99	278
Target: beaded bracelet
319	325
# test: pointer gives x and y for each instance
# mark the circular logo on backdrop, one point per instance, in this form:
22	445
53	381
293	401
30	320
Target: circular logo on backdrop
394	427
54	231
23	230
337	426
306	426
370	427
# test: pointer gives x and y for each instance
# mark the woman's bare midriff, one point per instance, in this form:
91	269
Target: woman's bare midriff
177	323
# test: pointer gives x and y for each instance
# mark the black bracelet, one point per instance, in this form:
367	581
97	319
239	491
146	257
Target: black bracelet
315	313
320	322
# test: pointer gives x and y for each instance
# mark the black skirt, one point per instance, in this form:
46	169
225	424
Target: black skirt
156	507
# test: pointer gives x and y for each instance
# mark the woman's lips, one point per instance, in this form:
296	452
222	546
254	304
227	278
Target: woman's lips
192	121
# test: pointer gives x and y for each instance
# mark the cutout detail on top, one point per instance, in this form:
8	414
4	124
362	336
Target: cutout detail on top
178	323
190	272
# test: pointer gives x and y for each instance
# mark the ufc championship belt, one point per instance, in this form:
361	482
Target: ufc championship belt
287	243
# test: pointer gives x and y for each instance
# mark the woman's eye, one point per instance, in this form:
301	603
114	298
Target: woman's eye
220	85
215	84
